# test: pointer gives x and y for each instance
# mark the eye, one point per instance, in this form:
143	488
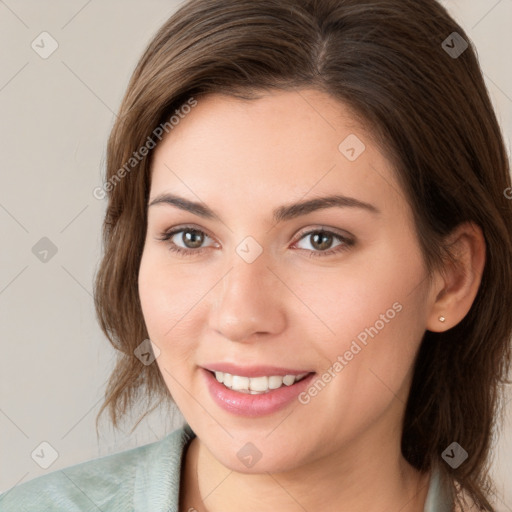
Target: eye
188	242
321	242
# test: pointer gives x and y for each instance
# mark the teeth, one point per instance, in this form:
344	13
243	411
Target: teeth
256	385
240	383
275	382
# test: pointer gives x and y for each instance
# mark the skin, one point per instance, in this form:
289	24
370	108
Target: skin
340	451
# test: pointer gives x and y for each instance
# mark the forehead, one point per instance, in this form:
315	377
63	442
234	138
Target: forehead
281	146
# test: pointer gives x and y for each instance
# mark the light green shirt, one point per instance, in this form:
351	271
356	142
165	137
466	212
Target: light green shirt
143	479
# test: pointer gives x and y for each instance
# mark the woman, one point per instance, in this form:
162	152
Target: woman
307	246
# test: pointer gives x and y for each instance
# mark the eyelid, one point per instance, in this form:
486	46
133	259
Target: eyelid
172	231
342	234
184	227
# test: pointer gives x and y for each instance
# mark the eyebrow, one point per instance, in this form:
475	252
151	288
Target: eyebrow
280	214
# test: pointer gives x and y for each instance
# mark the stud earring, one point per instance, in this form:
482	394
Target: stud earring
442	319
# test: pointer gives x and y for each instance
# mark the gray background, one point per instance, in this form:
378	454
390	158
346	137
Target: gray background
56	116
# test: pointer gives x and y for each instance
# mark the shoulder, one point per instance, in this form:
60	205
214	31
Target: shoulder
106	483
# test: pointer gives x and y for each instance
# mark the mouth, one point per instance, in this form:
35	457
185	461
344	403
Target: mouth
258	391
257	385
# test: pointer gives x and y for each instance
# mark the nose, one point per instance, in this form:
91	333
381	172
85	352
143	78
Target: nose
249	301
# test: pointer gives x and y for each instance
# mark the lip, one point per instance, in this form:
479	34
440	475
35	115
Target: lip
244	404
252	371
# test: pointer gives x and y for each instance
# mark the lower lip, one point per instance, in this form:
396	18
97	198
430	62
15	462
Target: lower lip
245	404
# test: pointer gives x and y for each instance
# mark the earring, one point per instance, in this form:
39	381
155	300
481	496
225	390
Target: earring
442	318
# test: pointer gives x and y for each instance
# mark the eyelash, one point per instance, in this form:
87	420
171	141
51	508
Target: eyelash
346	244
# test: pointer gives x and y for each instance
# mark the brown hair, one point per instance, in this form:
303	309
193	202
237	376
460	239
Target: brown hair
431	114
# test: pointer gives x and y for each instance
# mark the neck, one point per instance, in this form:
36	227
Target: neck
360	478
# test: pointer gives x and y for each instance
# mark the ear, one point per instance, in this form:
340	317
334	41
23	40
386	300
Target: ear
456	285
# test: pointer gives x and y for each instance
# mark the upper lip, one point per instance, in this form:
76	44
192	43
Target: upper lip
253	371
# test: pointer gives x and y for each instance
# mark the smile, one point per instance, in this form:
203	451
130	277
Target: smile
255	396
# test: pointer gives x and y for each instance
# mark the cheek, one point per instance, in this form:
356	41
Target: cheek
170	301
353	297
374	310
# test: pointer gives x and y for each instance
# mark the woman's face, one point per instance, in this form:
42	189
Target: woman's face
265	287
